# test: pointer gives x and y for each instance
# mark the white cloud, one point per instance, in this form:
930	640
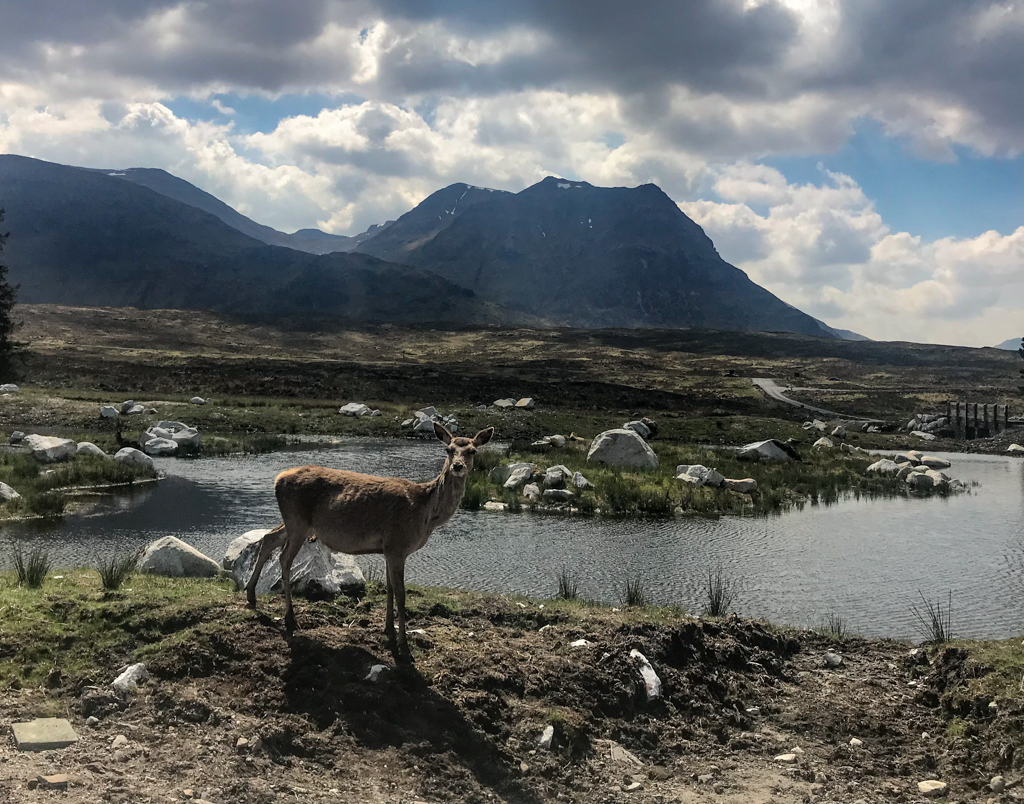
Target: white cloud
825	249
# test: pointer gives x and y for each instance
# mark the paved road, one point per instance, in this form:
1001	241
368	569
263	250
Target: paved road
774	391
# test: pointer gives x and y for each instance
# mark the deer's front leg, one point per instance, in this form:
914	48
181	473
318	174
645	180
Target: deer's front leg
389	623
398	581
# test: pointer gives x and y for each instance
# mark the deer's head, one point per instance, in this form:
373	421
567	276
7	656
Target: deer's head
461	450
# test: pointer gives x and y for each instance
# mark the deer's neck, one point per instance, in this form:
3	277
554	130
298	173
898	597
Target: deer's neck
446	492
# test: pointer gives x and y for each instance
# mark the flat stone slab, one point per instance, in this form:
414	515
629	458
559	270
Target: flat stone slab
44	734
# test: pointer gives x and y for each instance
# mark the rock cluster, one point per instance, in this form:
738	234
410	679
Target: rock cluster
525	403
168	438
698	475
357	409
422	422
919	471
928	423
645	428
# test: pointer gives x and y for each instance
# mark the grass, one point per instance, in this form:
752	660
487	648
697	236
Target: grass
31	571
719	593
568	585
834	626
634	593
116	569
934	620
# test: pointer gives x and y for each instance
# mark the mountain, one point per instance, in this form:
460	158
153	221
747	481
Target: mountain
585	256
85	238
421	224
1013	344
312	240
843	334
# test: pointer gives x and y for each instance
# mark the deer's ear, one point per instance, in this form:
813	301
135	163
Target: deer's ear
442	434
483	437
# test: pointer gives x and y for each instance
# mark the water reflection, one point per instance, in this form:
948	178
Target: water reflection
865	559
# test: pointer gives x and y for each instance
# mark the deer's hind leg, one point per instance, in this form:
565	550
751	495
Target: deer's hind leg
270	543
396	576
291	549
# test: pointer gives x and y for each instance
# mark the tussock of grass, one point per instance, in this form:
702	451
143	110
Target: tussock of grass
634	593
934	621
116	569
834	626
719	593
31	571
568	585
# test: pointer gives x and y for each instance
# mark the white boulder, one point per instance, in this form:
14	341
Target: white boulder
580	482
884	467
316	570
108	412
823	443
651	681
171	427
1015	449
173	558
88	448
746	485
531	491
355	409
935	463
188	437
127	405
558	495
925	436
9	388
504	403
622	448
839	432
197	400
135	410
556	477
237	546
912	457
639	428
697	475
518	474
7	493
424	427
160	447
133	456
526	402
48	449
769	450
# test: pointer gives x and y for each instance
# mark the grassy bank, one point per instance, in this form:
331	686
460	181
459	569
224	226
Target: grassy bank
490	674
823	477
43	487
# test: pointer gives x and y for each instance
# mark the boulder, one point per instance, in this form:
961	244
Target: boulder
698	475
9	388
17	437
823	443
911	458
745	486
558	495
424	427
932	788
499	474
819	425
160	447
188	438
922	435
237	546
355	409
651	425
7	493
108	412
135	410
317	571
173	558
556	440
935	463
504	403
622	448
133	456
158	432
531	491
920	480
839	432
527	403
1015	449
873	428
906	470
47	449
556	477
518	474
429	412
197	400
127	405
171	427
884	467
770	450
639	428
580	482
88	448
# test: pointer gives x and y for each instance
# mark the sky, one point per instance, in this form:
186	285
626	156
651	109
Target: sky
863	160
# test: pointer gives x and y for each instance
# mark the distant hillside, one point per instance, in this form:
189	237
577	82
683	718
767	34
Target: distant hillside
81	237
312	240
843	334
1013	344
585	256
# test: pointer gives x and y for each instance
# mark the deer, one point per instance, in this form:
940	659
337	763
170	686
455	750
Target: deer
360	514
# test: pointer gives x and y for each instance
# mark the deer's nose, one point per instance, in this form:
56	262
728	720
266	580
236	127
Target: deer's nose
458	467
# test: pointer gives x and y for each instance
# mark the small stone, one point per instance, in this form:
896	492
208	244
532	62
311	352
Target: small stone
706	778
832	660
375	672
241	744
523	767
855	743
118	741
580	643
820	778
925	735
44	734
796	750
997	784
932	788
788	759
632	787
58	781
547	738
257	744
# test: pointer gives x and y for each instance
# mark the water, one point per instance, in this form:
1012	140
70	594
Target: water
865	560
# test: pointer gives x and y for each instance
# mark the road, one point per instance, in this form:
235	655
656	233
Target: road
774	391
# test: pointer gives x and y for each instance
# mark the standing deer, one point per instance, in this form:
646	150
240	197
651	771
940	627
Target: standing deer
360	514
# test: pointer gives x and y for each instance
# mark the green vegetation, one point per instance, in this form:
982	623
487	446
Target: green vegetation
634	593
43	488
834	627
719	593
116	569
934	620
568	585
822	477
32	571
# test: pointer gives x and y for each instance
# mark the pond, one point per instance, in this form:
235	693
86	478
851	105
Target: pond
865	560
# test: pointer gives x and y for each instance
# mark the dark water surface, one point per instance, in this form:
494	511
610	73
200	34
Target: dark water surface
865	560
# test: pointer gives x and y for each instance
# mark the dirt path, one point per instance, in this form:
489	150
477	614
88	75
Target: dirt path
774	391
490	675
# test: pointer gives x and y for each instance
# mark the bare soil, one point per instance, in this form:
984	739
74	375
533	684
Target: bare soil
463	722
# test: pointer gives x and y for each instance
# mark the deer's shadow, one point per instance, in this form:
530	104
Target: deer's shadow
328	684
